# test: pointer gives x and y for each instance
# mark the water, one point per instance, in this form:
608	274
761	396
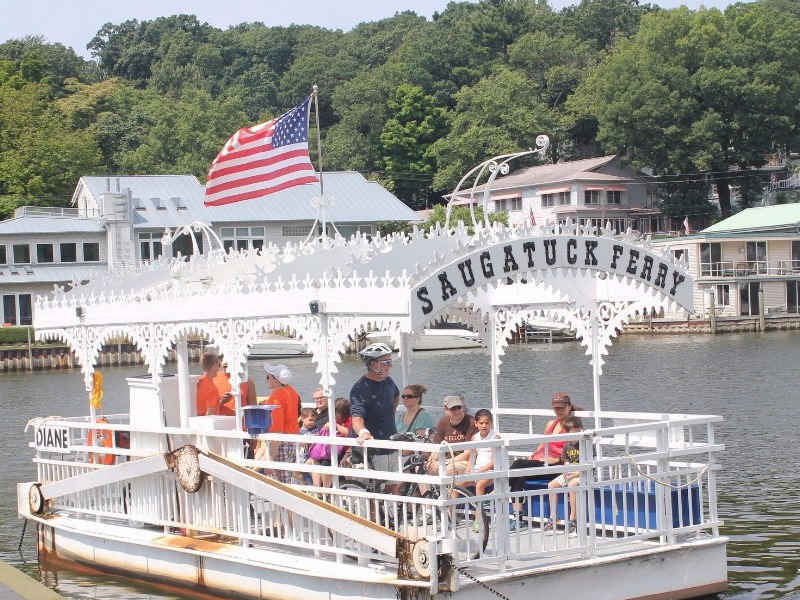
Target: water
749	379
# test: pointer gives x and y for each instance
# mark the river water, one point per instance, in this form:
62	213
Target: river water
750	379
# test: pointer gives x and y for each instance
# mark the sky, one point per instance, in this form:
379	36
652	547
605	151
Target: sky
75	22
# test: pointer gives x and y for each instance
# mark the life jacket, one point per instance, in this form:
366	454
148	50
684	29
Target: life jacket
102	438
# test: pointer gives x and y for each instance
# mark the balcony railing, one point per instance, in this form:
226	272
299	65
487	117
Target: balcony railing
750	268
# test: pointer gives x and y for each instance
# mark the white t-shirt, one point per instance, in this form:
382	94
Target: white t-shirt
484	455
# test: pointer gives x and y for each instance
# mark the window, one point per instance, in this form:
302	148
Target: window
711	259
348	231
793	296
592	196
722	295
44	253
756	255
183	244
555	199
22	254
242	238
294	231
614	196
3	257
17	309
91	252
150	247
677	254
618	225
748	298
69	252
508	204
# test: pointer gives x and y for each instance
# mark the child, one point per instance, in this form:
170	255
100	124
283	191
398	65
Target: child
343	423
570	455
307	420
482	459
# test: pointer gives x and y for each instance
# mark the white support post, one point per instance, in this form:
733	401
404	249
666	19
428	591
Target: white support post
184	397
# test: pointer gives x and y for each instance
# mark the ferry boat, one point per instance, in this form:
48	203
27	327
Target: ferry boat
274	345
181	503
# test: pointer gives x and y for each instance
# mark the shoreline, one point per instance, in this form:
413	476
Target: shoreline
52	358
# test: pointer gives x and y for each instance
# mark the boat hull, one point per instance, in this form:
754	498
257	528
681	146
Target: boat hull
685	570
434	339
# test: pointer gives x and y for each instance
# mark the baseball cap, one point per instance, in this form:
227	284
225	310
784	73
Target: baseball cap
453	400
280	372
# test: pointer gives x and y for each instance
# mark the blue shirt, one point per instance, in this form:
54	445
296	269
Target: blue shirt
373	401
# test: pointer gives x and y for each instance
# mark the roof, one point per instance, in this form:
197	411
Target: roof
355	200
573	170
53	273
30	224
760	219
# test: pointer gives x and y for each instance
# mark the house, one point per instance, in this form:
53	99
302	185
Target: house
751	255
128	220
593	191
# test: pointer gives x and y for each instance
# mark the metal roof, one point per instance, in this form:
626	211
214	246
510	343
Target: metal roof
30	224
759	219
54	273
355	200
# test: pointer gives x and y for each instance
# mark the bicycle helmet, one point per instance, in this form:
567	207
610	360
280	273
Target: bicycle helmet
374	351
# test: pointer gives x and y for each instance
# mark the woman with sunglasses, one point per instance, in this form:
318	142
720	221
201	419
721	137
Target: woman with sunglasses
415	418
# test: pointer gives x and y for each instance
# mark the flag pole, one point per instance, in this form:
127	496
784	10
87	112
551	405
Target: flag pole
315	94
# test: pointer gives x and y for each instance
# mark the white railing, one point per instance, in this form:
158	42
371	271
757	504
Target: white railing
750	268
643	477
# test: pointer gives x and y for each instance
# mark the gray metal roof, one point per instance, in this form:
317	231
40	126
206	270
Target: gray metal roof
55	273
151	191
355	200
43	224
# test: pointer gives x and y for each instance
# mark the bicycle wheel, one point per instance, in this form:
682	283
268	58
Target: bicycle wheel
470	524
352	503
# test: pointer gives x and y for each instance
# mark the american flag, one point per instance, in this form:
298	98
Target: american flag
262	159
533	219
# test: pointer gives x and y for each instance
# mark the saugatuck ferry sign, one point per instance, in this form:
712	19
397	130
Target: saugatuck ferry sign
512	257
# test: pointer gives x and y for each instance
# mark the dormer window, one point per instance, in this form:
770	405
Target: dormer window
158	203
178	202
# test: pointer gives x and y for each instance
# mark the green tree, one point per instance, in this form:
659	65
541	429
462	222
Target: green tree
438	216
415	123
500	114
700	91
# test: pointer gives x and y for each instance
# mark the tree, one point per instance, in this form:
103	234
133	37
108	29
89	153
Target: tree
438	216
416	122
700	91
499	115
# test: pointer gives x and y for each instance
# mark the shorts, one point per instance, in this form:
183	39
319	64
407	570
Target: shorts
461	466
385	462
562	480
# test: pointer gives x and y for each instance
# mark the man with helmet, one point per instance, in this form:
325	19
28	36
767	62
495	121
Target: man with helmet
373	401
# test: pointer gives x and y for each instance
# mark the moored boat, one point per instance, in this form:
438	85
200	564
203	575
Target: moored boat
441	336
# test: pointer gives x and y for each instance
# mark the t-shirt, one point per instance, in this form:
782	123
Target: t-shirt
446	431
422	420
321	419
373	401
571	454
284	418
207	395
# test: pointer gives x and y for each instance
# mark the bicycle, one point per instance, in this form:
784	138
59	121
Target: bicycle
467	519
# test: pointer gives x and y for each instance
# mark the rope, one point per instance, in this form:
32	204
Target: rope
463	571
665	484
22	537
452	485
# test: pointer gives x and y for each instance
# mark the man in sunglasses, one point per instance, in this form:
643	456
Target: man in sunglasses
373	401
455	426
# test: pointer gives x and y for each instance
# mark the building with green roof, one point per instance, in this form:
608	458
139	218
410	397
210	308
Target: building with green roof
750	258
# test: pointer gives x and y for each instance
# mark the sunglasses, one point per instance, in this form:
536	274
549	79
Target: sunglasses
456	408
405	396
387	362
320	397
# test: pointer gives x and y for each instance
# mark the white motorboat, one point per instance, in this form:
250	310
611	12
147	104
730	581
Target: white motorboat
273	345
446	336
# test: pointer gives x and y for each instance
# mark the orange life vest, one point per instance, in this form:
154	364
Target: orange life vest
102	438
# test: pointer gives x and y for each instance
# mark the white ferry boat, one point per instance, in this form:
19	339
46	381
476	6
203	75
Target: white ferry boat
181	504
440	336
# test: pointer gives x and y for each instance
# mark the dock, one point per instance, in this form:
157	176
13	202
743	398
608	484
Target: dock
16	585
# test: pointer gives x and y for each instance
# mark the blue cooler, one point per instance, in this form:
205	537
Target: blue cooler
258	418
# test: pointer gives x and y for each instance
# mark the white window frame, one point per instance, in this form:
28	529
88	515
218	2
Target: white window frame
152	241
615	196
242	237
294	231
592	196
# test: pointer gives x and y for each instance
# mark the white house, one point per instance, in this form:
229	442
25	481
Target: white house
593	191
123	220
755	250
